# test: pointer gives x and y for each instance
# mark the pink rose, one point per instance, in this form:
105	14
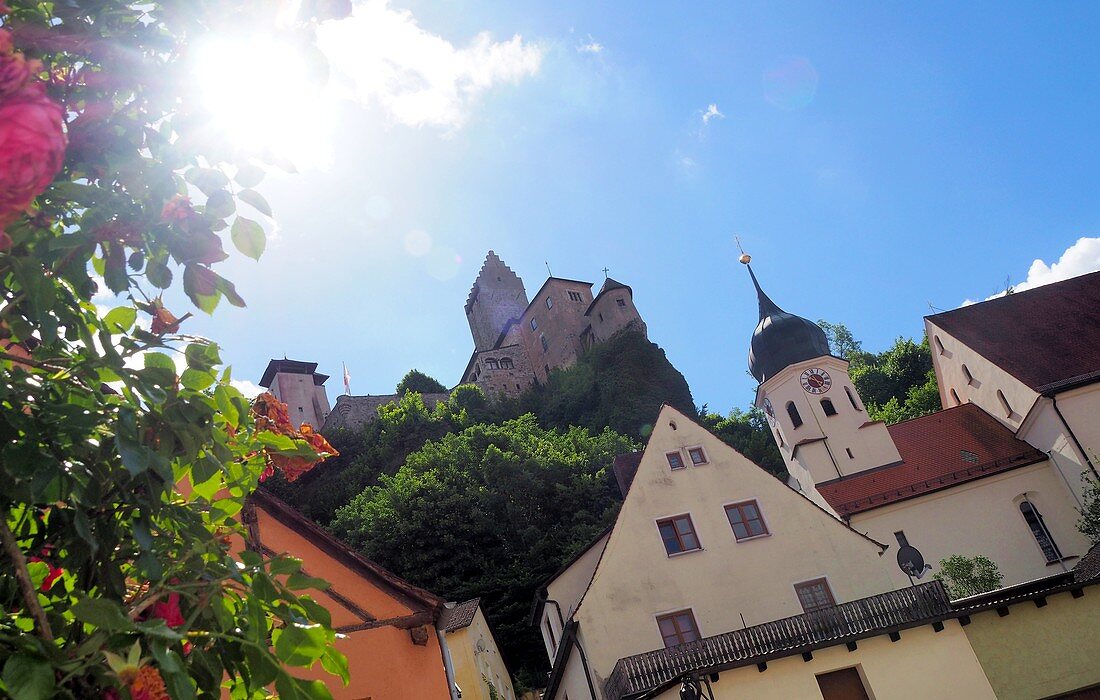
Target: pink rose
5	35
15	71
32	148
169	611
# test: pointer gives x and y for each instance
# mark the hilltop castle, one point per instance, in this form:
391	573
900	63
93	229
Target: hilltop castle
518	342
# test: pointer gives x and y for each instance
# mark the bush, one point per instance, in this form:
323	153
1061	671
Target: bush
967	576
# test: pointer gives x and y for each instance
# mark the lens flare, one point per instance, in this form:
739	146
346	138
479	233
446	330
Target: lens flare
791	84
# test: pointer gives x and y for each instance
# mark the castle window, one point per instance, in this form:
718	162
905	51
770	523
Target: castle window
542	339
814	595
955	397
534	325
852	398
849	451
939	345
746	520
1039	530
698	456
1004	403
620	302
792	411
492	364
506	363
601	317
678	628
575	296
678	534
828	407
968	375
549	303
675	460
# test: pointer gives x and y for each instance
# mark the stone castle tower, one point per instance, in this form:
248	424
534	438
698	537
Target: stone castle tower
496	298
518	342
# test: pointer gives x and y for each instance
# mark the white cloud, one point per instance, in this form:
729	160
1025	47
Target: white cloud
1080	258
712	112
420	78
249	389
592	46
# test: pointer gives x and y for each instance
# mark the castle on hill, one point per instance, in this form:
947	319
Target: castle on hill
517	343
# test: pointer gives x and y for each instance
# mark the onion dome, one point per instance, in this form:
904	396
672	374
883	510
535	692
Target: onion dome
781	339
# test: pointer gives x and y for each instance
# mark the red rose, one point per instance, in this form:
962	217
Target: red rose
15	71
177	209
169	610
5	34
32	148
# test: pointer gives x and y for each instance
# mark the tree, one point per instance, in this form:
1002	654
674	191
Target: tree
417	381
748	433
127	456
490	511
967	576
1089	523
841	340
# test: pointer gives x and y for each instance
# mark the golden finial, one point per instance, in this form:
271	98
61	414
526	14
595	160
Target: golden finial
745	258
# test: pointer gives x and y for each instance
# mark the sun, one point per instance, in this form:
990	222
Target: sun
266	95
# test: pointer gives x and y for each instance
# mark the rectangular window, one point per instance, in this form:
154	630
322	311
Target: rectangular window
678	534
575	296
697	455
675	460
814	595
542	339
549	303
620	302
746	521
534	325
844	684
678	628
550	636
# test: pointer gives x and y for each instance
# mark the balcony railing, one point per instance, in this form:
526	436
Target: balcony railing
880	614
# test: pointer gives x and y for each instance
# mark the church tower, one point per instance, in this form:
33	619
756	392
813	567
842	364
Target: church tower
815	413
496	298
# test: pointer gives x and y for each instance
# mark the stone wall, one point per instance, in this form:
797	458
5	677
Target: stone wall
613	312
498	296
353	412
502	371
555	341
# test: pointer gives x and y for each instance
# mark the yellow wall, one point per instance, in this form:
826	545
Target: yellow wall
566	590
922	665
470	664
983	517
1039	652
636	580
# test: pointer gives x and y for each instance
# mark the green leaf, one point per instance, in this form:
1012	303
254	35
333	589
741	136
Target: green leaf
249	237
249	175
103	613
160	361
158	275
208	180
196	380
300	645
120	320
220	204
284	565
28	678
201	286
255	199
336	663
223	399
298	581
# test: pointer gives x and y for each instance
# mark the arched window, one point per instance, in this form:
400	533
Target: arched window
828	407
506	363
1039	530
852	399
955	397
939	345
968	375
792	411
492	364
1004	403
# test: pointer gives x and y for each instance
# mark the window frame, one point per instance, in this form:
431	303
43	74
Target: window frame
549	302
794	415
1043	530
852	398
810	582
621	302
755	502
671	519
690	612
699	448
828	407
679	456
534	324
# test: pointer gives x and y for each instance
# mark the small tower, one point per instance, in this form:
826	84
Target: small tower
301	388
816	414
496	298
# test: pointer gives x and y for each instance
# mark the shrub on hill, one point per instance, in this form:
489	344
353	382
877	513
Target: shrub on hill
490	511
415	380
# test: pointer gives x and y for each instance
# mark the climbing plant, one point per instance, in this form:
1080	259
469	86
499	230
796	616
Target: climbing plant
126	455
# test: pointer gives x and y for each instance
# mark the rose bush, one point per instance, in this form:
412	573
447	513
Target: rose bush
126	454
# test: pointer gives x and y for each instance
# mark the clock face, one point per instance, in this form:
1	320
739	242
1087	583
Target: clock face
816	381
769	411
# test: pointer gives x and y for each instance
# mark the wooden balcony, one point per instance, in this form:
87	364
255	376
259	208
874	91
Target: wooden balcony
867	617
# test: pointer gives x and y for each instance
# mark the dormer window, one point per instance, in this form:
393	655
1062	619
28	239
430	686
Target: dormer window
828	407
792	412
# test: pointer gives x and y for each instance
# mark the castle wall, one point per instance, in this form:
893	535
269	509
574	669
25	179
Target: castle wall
497	297
306	401
353	412
502	371
561	324
613	312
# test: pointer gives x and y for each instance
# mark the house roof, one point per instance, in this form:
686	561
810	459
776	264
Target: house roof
291	367
937	451
1045	337
458	616
609	285
412	596
625	467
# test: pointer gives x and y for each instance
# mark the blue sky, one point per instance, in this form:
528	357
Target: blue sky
873	158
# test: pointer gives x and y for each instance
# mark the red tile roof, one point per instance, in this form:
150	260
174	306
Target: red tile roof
625	467
938	451
1043	336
